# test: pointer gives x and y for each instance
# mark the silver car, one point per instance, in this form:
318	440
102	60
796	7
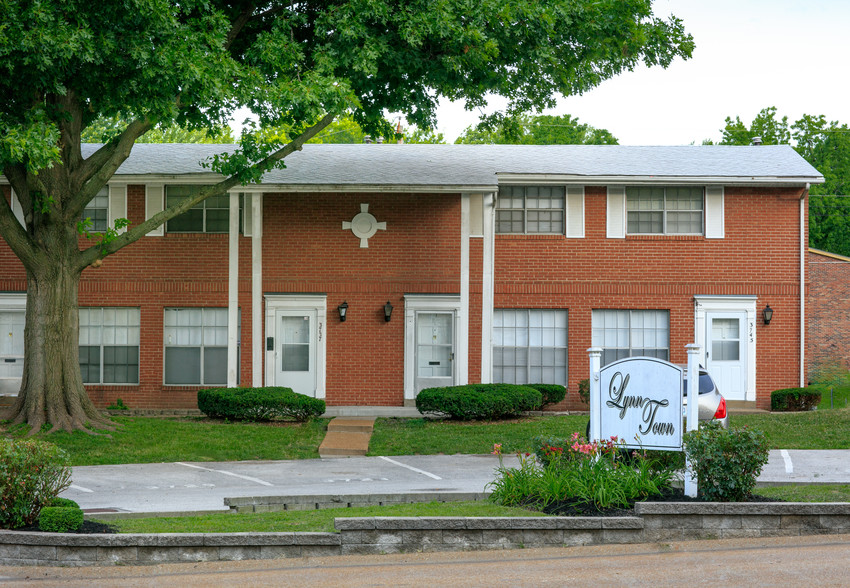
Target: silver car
712	405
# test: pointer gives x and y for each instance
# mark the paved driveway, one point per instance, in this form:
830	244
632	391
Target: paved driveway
203	486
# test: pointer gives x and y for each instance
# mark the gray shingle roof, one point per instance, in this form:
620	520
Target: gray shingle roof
481	165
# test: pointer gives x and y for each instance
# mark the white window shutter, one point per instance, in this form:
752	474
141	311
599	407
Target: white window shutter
247	214
153	205
17	209
575	212
616	213
714	214
117	205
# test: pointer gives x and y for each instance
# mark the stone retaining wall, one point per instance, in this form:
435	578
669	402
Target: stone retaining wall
312	502
653	522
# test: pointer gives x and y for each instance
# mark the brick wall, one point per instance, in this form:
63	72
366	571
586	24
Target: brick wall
827	311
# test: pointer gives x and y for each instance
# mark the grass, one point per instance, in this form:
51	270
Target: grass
430	437
154	440
310	520
817	429
323	520
838	397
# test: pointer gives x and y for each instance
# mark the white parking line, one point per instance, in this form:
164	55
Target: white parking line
249	478
411	468
789	467
80	488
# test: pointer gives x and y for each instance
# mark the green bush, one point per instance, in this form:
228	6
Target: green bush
726	463
63	502
584	390
258	404
552	393
32	473
789	399
479	401
60	519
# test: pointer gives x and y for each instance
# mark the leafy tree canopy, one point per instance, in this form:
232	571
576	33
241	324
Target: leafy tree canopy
65	64
825	145
103	130
526	129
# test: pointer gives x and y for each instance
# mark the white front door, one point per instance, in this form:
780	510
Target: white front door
11	351
435	350
295	350
726	352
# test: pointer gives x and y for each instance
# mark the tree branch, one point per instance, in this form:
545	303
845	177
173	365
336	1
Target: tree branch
14	234
134	234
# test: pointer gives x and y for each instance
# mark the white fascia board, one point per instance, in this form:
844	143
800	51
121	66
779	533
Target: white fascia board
206	179
561	179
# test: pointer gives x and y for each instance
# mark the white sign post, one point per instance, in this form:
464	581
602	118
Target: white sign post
595	393
693	412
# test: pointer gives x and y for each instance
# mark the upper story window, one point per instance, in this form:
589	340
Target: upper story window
530	209
97	211
664	211
208	216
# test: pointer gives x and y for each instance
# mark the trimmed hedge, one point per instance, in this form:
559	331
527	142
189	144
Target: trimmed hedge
792	399
258	404
552	393
60	519
479	401
63	502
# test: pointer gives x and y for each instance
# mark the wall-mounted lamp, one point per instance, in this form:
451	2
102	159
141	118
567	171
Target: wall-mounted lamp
343	310
388	311
767	314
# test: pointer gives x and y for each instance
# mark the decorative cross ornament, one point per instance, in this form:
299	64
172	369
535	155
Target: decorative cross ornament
364	225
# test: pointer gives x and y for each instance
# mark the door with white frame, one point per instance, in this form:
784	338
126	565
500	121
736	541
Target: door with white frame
12	321
726	352
295	343
431	342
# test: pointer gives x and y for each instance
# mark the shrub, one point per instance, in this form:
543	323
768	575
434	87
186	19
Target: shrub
63	502
258	404
726	463
552	393
32	473
584	390
60	519
789	399
479	401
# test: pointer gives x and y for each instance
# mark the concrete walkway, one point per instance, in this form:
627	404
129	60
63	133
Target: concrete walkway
347	436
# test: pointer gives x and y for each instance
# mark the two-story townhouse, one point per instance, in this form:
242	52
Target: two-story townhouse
364	273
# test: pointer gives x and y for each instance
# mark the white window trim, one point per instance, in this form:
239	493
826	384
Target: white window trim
102	345
529	346
201	346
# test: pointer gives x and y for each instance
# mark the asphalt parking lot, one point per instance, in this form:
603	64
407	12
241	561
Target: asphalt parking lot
183	486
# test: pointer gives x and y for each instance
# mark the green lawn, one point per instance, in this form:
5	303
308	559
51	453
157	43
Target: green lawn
323	520
152	440
834	397
310	520
817	429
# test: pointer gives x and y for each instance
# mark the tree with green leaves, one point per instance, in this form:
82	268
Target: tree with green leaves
299	65
525	129
105	129
825	145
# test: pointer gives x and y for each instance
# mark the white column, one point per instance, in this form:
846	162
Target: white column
233	293
487	288
462	359
595	354
693	411
257	347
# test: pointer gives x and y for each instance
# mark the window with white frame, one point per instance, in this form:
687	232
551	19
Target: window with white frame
653	210
195	346
530	209
631	333
109	345
211	215
530	346
97	212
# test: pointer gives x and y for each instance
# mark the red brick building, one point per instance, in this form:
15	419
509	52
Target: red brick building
828	311
453	264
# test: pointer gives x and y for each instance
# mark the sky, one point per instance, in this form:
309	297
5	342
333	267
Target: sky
750	54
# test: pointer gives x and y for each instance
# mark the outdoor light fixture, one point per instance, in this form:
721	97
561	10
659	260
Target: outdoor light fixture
388	311
343	310
767	314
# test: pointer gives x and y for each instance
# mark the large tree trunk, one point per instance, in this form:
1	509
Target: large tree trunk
52	388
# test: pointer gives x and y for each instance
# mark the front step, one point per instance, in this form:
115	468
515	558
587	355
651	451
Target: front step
347	436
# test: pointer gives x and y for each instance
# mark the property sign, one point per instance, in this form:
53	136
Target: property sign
641	403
